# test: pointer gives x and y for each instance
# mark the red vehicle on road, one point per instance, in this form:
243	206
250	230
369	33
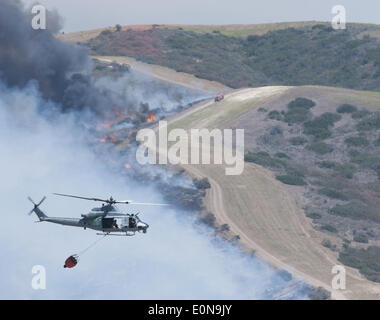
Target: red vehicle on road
219	97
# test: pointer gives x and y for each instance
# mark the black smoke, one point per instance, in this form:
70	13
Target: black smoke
60	69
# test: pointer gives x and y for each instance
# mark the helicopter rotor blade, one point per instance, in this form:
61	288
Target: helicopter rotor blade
148	203
78	197
42	200
31	200
112	201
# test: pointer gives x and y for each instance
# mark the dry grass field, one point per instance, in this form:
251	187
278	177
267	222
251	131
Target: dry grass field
265	213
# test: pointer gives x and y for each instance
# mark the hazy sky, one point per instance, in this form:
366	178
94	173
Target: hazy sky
90	14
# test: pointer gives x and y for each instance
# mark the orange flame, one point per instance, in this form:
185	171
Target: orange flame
151	118
127	166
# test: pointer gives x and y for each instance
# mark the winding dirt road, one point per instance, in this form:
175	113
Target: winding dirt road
265	213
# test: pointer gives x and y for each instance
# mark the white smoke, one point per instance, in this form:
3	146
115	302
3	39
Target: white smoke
176	259
139	88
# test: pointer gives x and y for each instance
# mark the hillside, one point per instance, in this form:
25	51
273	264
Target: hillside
235	30
305	55
303	226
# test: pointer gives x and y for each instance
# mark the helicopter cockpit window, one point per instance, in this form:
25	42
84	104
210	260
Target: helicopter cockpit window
132	222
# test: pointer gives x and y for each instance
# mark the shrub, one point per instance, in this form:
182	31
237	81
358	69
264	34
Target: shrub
326	243
276	131
327	164
314	215
292	179
347	170
264	159
357	141
209	219
301	103
319	294
298	110
377	142
285	275
329	118
320	148
329	228
366	260
372	123
298	141
360	114
346	108
202	183
366	160
332	193
296	115
319	133
106	32
319	127
361	237
355	210
225	227
282	155
275	115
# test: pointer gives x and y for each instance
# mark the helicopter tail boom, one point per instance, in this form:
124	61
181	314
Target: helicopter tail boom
42	216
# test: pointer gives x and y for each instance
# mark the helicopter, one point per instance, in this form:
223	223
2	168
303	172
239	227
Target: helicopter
106	218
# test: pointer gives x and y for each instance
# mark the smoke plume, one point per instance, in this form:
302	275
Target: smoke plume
45	152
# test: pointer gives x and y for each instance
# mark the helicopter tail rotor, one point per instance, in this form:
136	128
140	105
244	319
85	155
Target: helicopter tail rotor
36	210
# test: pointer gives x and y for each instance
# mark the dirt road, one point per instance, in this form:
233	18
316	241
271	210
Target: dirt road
167	75
265	213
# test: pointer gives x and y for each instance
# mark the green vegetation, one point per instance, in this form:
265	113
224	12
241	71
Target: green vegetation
301	103
326	243
346	108
366	160
320	148
314	215
366	260
319	127
357	141
346	170
319	293
315	55
225	227
263	158
282	155
275	115
292	177
298	141
360	114
327	164
209	219
377	142
361	237
298	110
202	183
371	123
329	228
356	210
331	193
